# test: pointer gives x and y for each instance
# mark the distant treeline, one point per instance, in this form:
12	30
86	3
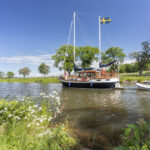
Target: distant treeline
43	69
133	67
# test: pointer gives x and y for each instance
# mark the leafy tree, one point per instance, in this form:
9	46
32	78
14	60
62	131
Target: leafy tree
122	69
65	60
24	71
147	67
1	74
10	74
111	54
142	57
128	68
44	69
87	55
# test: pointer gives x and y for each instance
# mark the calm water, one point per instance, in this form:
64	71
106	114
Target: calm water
91	111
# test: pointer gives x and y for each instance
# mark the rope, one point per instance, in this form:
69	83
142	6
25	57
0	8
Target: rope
84	32
68	41
82	13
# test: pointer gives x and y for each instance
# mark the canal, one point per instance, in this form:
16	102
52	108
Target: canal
100	113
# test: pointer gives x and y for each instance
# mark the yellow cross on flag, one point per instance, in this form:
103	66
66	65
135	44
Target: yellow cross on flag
105	20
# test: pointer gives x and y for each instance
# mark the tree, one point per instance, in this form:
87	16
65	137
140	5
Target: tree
142	57
44	69
111	54
10	74
65	60
24	71
147	67
1	74
128	68
87	55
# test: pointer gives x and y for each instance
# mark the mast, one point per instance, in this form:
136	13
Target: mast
99	38
74	15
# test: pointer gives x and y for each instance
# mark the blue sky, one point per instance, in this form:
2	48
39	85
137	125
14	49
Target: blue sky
31	30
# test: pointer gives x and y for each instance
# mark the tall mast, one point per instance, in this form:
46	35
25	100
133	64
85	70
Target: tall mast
99	38
74	15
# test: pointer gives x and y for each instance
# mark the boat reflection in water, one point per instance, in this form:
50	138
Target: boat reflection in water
102	112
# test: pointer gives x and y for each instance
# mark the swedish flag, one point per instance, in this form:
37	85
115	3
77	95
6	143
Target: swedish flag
105	20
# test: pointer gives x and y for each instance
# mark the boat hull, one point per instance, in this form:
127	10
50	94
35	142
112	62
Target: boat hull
143	86
89	84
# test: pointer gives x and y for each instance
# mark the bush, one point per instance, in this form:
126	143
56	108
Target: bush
136	137
128	68
24	125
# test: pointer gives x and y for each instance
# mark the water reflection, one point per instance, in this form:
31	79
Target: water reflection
104	112
26	89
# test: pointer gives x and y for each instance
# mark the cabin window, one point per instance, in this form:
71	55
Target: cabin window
93	75
84	75
80	75
89	74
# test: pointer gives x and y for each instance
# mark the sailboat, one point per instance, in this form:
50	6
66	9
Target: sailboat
91	77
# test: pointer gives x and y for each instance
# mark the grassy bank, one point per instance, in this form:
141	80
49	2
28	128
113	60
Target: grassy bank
27	126
134	78
131	77
32	80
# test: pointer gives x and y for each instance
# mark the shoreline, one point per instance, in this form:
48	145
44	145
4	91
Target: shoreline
32	80
123	79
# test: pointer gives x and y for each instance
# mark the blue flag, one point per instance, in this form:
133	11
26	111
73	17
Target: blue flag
105	20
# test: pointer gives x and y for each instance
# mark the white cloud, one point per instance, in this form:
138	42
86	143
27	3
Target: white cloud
35	61
129	61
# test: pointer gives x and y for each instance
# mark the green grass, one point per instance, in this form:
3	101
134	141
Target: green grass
131	77
145	73
25	125
32	80
134	78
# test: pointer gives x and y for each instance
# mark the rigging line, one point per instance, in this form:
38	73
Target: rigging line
68	41
87	14
108	35
83	30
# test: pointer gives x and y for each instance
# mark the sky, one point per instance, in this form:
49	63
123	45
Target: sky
32	30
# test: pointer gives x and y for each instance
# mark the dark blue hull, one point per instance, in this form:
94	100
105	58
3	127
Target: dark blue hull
89	85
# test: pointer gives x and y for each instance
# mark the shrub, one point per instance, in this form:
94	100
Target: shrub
136	137
24	125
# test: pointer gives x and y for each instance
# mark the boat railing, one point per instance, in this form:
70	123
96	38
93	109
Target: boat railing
109	75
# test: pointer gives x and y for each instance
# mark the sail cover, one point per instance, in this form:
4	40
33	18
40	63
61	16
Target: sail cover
106	65
80	69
